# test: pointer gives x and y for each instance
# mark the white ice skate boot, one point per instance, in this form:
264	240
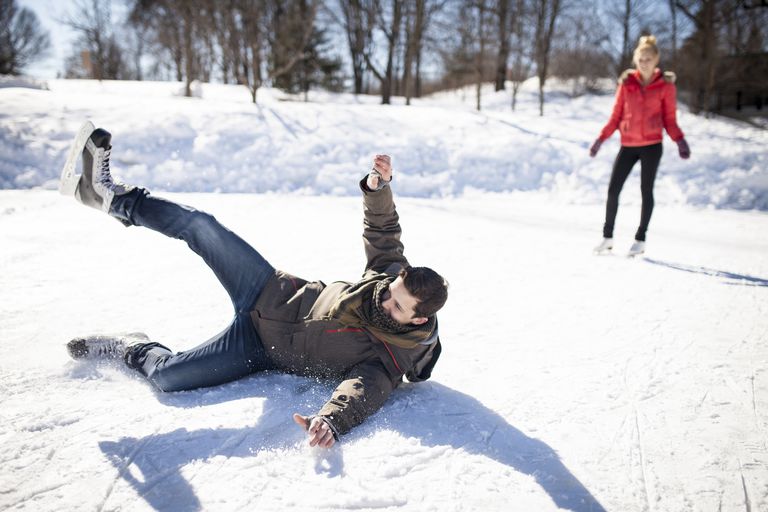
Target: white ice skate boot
104	346
605	246
637	249
95	186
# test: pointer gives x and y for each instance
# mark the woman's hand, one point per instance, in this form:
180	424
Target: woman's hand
595	147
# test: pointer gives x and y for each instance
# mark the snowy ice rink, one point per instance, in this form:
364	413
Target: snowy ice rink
567	382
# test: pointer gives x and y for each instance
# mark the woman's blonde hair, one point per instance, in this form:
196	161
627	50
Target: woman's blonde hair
646	43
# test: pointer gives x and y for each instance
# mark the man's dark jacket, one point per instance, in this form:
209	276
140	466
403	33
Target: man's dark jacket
292	317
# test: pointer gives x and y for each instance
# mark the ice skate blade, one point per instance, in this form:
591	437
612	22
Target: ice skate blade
69	176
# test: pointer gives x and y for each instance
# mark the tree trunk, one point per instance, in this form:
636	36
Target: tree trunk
706	22
417	75
178	58
357	21
515	88
503	55
394	36
546	18
188	54
413	49
673	12
255	69
520	66
408	59
625	50
481	56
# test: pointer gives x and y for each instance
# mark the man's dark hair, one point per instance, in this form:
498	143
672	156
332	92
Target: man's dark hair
429	288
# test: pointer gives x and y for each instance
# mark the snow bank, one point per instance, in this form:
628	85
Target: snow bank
219	141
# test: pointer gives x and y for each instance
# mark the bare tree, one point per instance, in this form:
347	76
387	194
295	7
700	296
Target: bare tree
135	42
503	15
292	26
547	12
93	21
742	71
300	48
415	21
390	27
707	17
424	16
235	43
520	69
633	17
626	50
357	19
673	15
577	55
188	19
253	39
22	40
482	22
274	36
167	24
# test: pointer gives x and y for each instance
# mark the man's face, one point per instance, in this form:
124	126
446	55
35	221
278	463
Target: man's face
400	304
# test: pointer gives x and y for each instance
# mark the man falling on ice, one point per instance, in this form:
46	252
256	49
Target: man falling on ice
369	334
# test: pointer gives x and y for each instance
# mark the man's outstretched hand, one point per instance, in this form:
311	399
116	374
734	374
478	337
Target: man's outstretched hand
382	164
318	430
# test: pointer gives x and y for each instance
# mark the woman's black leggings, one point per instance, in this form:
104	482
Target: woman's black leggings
649	157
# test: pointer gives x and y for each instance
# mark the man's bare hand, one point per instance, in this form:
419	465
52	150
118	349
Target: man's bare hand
318	430
383	165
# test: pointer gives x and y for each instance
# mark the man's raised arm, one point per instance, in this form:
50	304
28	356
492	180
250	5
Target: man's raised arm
381	231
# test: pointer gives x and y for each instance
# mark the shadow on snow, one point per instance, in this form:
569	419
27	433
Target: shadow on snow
431	412
744	279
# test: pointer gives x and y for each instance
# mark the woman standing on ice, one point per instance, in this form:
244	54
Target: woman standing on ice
645	102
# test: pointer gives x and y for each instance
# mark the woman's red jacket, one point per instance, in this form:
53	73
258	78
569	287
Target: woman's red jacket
640	111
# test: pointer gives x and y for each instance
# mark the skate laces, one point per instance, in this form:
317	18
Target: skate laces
106	178
109	348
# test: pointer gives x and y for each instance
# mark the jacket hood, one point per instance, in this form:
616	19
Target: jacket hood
633	74
422	370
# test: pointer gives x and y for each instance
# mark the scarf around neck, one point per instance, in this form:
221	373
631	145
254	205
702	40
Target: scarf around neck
360	306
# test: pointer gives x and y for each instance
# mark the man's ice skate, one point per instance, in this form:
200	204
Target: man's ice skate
605	246
637	249
94	186
104	346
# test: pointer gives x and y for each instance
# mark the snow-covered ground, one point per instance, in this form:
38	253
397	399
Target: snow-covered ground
568	381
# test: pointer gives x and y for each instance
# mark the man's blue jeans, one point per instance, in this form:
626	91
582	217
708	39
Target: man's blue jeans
235	352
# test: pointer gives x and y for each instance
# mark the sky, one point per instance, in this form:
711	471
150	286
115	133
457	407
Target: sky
52	14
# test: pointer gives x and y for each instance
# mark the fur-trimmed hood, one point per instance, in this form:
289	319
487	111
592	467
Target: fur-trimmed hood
669	76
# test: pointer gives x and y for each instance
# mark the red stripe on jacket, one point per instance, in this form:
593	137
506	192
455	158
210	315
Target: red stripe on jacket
353	329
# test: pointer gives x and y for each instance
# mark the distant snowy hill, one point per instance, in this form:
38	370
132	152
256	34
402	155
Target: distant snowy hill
441	145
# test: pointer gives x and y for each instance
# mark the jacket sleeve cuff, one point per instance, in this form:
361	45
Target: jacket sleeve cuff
328	422
377	201
364	186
